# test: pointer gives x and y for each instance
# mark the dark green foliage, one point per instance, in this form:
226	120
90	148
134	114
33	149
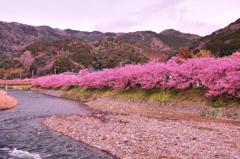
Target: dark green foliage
218	103
7	62
36	47
223	42
63	64
74	54
112	53
174	42
4	63
68	54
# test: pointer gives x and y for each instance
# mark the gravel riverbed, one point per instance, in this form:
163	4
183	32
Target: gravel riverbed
131	136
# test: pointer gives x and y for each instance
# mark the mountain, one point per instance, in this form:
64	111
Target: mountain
88	36
176	39
43	50
44	57
112	52
16	36
221	42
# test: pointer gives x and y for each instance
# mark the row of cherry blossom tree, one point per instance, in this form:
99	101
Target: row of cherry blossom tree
218	76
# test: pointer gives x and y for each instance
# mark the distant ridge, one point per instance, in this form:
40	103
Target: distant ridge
16	36
221	42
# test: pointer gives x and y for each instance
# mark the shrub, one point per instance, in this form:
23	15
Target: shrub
184	53
6	102
218	103
204	53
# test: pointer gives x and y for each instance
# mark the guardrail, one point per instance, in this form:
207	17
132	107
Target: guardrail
9	85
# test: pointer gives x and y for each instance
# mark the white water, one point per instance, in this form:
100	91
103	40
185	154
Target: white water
20	154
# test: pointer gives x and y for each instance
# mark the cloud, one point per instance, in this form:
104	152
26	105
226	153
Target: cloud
200	17
122	25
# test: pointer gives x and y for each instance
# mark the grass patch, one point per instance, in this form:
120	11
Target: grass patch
225	102
189	96
77	93
218	103
173	96
154	95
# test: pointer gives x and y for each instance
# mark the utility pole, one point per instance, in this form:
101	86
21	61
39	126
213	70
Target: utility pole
6	87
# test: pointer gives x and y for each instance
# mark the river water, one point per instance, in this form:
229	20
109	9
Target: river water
23	136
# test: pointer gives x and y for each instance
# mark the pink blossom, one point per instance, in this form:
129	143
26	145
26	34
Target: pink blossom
218	76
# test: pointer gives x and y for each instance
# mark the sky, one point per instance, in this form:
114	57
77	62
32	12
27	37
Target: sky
193	16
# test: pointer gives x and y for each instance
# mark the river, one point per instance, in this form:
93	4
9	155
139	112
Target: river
23	136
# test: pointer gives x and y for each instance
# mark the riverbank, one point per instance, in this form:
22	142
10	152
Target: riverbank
22	87
190	102
131	128
6	102
131	135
